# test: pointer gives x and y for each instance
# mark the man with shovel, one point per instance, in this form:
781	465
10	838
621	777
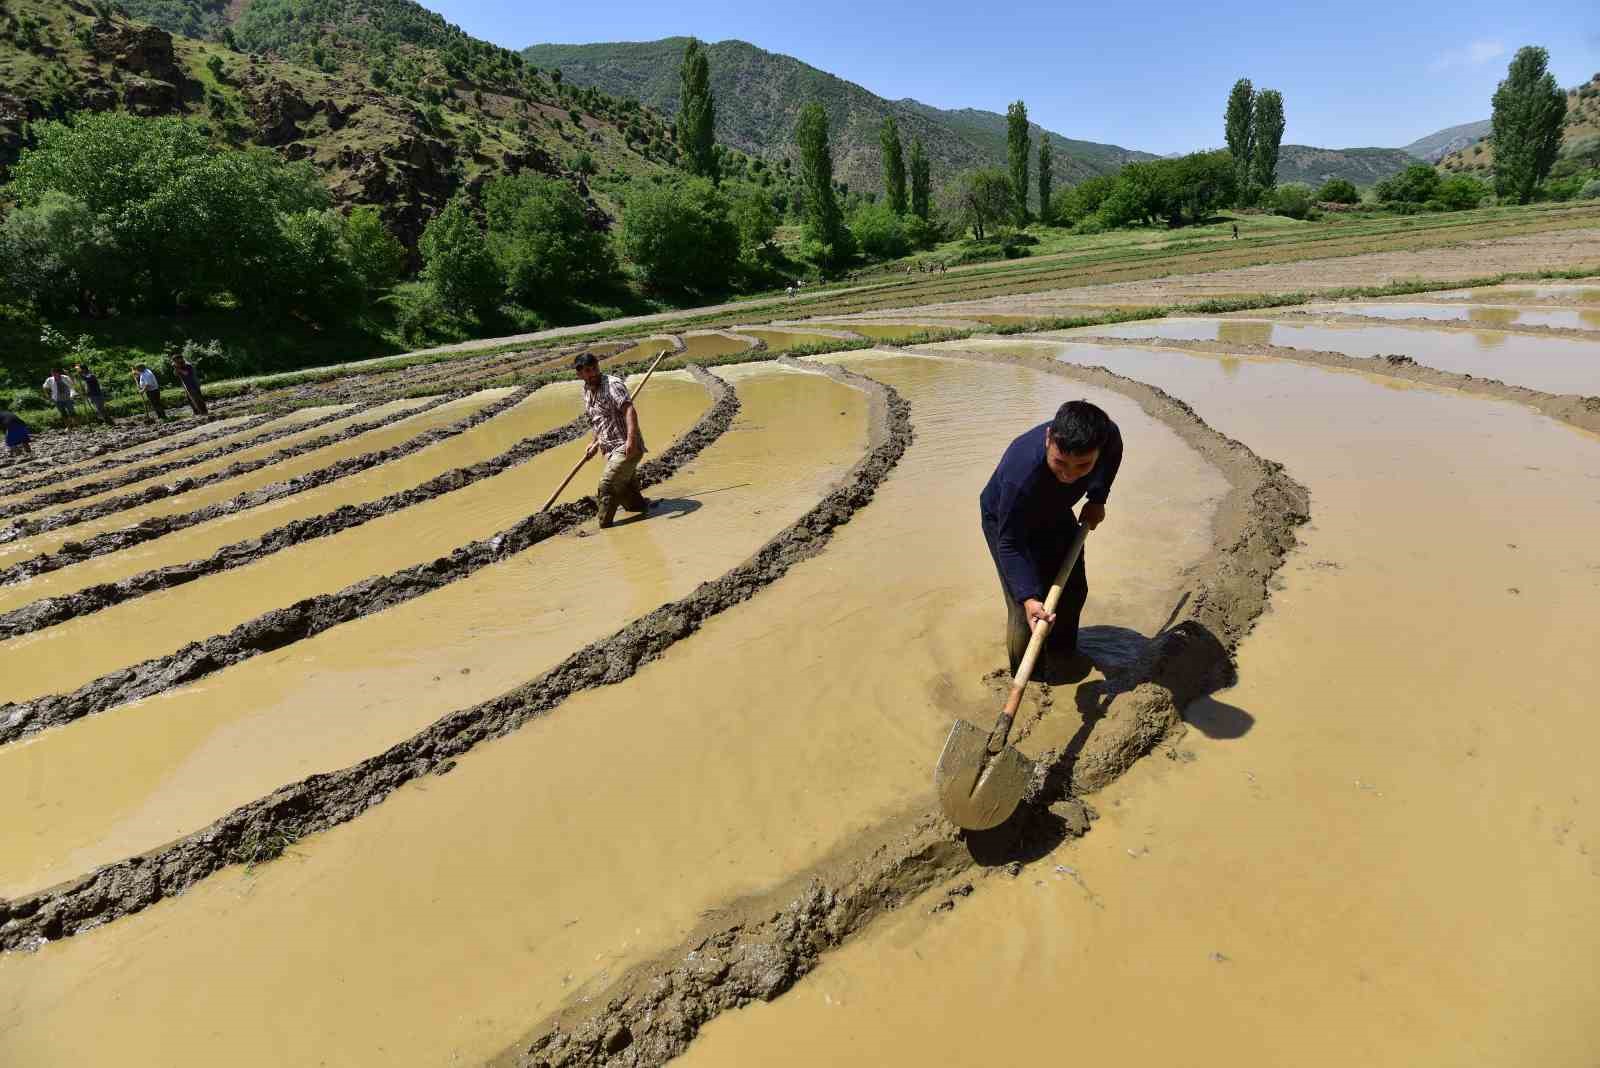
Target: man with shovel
1028	522
615	422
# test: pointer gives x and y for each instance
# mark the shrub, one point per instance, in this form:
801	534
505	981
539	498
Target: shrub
679	234
1562	188
1417	184
879	232
1075	203
1590	190
1339	191
755	217
1293	199
376	255
541	238
419	314
1461	193
922	233
457	264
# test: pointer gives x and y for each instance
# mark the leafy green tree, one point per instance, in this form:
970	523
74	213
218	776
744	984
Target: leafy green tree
982	201
824	222
880	231
894	165
1267	134
58	256
1293	200
694	127
1075	203
1046	206
311	271
1017	152
1339	191
679	234
541	238
921	182
1461	193
457	264
1239	129
376	255
754	216
1417	184
1196	185
1529	110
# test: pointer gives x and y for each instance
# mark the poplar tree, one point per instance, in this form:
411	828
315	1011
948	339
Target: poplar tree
921	182
894	166
1045	177
1017	155
1267	133
1239	128
823	220
1529	109
697	112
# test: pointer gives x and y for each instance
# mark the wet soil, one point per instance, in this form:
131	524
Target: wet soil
174	763
137	648
1386	820
1548	364
66	467
32	600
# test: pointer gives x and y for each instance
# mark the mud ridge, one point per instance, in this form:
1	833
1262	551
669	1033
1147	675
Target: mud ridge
261	829
1451	325
67	463
49	611
22	526
1571	408
757	948
25	527
313	615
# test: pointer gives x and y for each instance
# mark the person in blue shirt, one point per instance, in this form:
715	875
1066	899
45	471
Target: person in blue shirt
1028	522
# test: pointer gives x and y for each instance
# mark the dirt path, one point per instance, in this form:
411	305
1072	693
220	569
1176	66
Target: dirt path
1386	820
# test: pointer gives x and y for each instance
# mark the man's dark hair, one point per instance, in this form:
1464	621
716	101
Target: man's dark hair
1079	427
585	359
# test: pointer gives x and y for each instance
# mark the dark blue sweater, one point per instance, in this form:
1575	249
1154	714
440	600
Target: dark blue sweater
1027	511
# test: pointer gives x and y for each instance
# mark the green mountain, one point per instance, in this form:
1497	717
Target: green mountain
395	106
1362	166
760	93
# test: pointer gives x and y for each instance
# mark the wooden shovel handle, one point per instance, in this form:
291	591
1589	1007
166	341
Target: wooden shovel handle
579	465
1041	630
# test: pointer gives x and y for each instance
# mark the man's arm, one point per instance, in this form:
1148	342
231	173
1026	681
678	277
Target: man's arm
630	416
1017	568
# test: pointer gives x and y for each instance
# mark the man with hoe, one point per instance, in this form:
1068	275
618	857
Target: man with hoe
1027	520
615	422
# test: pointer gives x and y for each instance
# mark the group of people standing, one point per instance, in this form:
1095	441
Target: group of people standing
65	390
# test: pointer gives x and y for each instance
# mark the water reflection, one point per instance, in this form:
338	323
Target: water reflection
1243	332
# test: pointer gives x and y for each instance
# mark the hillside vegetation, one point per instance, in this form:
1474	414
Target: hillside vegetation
760	94
1580	138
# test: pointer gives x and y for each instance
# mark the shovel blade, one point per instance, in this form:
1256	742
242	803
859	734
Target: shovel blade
978	789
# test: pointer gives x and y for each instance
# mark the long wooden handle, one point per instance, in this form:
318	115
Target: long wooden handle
579	465
1041	630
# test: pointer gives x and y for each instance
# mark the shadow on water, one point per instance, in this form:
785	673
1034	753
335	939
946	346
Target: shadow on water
662	508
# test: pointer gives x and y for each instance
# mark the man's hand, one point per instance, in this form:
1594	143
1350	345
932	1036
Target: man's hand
594	447
1091	514
1034	610
632	449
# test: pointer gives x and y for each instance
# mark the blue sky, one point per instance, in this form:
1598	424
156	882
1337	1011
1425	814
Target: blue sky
1152	76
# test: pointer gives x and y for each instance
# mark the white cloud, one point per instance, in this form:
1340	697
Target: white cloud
1475	54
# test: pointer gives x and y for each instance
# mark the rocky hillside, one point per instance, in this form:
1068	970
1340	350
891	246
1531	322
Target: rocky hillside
759	94
1363	166
1441	143
1580	137
394	106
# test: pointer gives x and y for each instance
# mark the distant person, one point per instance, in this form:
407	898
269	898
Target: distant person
19	439
615	422
58	387
150	386
92	390
1236	231
1026	513
790	291
190	378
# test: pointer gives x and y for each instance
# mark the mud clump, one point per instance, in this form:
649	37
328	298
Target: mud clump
1395	359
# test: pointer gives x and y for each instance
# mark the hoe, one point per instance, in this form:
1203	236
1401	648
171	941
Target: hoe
980	779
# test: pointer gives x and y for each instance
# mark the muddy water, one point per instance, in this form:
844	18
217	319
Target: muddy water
201	541
705	346
64	657
1556	365
445	921
1583	294
304	415
647	349
1390	820
788	339
175	446
1487	314
187	757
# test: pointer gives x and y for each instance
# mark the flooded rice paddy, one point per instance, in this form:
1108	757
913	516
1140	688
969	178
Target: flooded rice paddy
790	339
1388	818
1488	315
1555	365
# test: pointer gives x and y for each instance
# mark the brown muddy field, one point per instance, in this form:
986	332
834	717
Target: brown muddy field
325	746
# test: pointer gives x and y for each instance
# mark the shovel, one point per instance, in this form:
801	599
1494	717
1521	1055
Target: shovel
979	778
579	465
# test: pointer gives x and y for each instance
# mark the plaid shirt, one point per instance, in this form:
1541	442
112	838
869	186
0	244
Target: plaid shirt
604	408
